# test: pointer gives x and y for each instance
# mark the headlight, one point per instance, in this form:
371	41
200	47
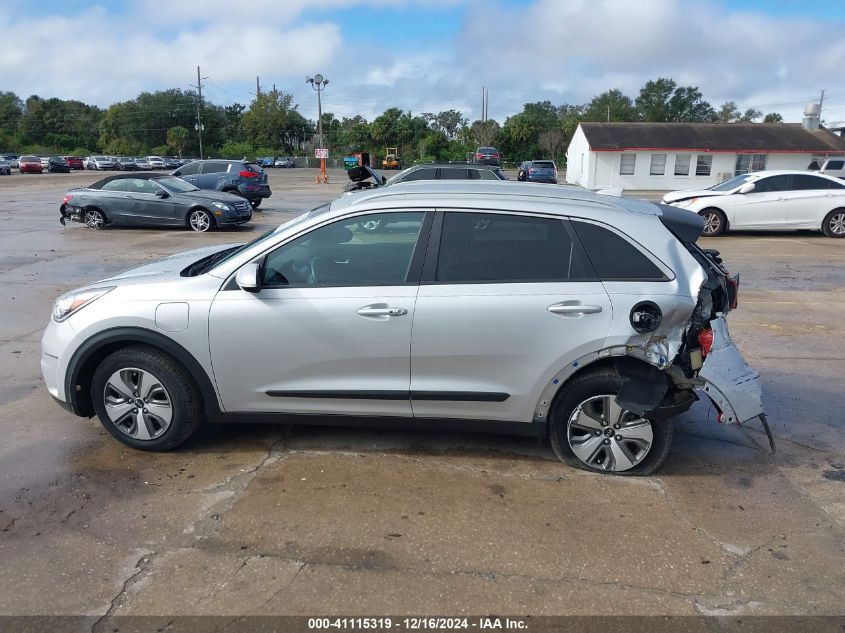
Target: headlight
685	203
74	301
222	206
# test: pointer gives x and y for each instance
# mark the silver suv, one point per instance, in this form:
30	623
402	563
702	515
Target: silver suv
495	306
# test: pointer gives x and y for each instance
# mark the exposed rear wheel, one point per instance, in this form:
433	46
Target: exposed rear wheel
145	399
589	430
834	223
200	220
715	222
94	219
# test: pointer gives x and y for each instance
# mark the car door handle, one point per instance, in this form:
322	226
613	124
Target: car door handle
569	308
375	311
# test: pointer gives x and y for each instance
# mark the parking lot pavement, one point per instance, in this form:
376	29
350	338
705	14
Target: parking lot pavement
311	520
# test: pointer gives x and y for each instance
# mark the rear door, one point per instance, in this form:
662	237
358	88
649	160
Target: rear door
506	301
811	198
212	173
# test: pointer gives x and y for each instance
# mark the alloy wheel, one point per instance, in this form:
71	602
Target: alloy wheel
200	221
94	219
836	223
604	436
712	223
137	404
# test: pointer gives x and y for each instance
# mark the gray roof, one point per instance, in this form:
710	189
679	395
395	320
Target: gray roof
712	137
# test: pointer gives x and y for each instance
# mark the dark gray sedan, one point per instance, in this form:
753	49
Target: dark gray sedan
144	199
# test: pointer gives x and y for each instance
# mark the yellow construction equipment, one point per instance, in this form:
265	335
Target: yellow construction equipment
391	159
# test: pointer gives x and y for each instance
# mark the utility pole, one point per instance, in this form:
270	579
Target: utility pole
483	97
198	127
257	86
608	113
318	83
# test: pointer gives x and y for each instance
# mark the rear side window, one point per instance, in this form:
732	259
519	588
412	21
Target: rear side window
114	185
835	164
190	169
613	257
487	247
215	167
451	173
420	174
802	183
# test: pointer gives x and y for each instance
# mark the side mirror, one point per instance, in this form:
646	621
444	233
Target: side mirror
177	173
161	193
747	187
247	277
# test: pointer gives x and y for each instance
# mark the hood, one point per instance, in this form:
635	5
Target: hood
169	267
677	196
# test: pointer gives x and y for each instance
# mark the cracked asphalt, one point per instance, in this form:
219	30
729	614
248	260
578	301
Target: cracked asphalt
261	519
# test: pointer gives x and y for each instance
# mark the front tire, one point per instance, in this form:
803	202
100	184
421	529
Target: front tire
586	424
834	223
715	222
200	220
255	203
145	399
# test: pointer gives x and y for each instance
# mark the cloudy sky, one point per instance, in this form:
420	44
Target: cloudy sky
429	55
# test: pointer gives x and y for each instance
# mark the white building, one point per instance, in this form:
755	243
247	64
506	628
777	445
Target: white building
668	156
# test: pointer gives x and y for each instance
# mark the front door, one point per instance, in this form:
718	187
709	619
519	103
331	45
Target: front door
330	329
767	206
506	302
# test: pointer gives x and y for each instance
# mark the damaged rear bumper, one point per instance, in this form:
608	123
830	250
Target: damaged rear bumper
728	381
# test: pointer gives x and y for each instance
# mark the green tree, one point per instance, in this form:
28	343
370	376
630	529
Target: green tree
728	112
773	117
11	109
653	101
662	100
177	138
612	105
750	115
268	118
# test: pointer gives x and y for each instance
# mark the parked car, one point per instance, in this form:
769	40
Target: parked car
487	156
242	178
99	163
833	167
595	353
152	200
12	160
5	167
74	162
538	171
57	165
171	163
45	162
30	165
126	163
156	162
447	171
142	163
266	161
285	162
769	200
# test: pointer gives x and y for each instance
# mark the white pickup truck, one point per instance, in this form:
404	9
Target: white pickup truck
833	167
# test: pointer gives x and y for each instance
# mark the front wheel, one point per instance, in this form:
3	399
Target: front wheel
715	222
145	399
590	431
834	223
200	220
255	203
94	219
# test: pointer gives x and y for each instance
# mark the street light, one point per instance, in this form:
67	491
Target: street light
318	83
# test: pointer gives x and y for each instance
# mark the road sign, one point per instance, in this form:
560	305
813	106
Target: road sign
321	153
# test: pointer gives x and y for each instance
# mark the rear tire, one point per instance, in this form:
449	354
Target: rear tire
94	219
715	222
169	402
255	203
834	223
585	424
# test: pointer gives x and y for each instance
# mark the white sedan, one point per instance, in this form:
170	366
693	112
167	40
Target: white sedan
769	200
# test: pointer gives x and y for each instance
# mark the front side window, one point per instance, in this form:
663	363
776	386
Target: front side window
658	165
703	164
369	250
490	247
613	257
627	164
772	183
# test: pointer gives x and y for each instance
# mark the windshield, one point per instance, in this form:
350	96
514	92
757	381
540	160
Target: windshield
100	158
176	184
733	183
155	158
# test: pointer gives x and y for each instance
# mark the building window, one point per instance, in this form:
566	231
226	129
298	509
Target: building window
749	162
682	165
658	165
703	164
627	164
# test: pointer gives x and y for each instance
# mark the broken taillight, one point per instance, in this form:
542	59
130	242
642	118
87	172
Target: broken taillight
705	339
733	291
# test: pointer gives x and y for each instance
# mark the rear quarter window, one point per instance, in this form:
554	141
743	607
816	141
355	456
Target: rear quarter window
613	257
